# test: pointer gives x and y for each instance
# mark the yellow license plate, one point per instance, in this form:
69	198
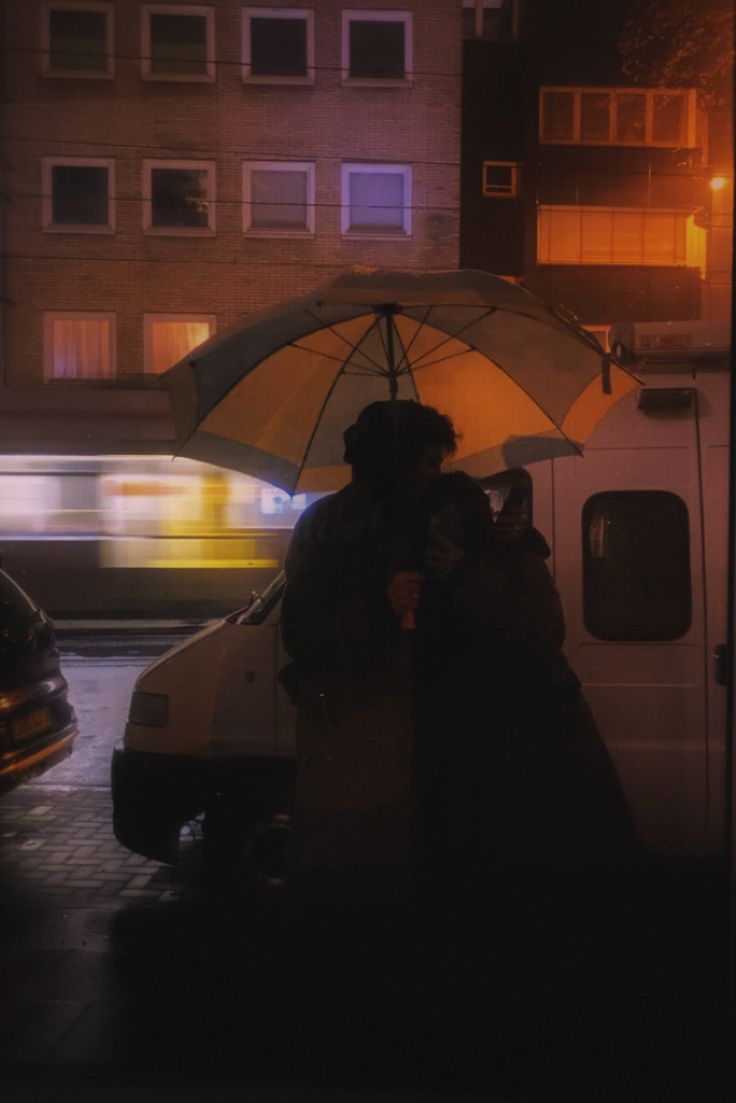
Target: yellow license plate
25	727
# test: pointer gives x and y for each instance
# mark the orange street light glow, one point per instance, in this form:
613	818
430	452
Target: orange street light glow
718	183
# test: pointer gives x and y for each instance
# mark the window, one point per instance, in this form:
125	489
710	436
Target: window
500	179
636	565
278	198
178	42
179	197
77	39
167	338
617	235
278	45
490	19
77	195
616	116
376	46
78	345
376	199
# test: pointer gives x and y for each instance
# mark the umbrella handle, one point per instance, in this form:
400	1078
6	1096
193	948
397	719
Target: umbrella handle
408	621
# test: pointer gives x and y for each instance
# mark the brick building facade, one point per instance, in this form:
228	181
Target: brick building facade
116	109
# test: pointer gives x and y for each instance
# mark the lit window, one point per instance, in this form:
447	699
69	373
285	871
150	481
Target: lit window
500	179
636	565
617	116
179	197
169	337
490	19
178	42
617	235
278	45
376	46
278	198
78	346
77	195
376	199
77	39
595	116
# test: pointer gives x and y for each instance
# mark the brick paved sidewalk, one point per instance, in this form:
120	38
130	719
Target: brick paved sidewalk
57	841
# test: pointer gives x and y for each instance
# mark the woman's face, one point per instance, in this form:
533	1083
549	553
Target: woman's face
428	468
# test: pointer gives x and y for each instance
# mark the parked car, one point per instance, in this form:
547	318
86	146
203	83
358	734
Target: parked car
37	721
210	734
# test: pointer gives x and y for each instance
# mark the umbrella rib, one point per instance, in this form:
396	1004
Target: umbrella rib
405	357
364	372
332	355
451	336
317	421
354	348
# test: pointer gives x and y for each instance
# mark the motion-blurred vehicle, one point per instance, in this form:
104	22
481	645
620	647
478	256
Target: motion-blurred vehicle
37	721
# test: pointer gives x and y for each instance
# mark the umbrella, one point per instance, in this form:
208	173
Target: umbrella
272	395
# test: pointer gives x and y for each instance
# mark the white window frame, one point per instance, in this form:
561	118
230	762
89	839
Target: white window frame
348	168
304	14
51	316
680	257
78	74
687	137
277	166
150	320
178	231
379	16
48	164
499	193
147	11
493	5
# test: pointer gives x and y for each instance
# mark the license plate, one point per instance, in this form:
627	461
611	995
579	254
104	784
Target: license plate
25	727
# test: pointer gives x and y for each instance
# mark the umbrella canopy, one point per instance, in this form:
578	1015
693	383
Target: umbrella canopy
272	395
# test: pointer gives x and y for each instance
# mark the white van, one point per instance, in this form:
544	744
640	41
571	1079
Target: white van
638	531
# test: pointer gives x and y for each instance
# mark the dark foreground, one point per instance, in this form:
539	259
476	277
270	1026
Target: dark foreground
124	980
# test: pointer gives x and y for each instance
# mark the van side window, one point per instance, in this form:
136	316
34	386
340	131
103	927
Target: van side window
636	565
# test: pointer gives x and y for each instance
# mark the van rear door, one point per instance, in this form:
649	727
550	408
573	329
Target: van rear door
629	554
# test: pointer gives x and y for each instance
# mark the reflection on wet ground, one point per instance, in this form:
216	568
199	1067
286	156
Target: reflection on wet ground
174	992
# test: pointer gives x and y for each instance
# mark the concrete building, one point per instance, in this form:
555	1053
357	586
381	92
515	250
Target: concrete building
609	197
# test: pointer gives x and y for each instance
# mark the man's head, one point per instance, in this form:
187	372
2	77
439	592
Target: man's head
399	444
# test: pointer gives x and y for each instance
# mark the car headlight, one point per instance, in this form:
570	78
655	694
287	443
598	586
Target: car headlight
151	710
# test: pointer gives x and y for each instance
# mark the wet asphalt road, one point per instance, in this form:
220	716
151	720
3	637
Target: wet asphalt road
127	980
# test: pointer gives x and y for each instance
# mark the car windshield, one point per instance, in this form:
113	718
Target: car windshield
262	604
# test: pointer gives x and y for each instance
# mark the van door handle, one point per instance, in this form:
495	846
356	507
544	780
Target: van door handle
723	664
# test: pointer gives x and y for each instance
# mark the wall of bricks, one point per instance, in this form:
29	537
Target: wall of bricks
127	119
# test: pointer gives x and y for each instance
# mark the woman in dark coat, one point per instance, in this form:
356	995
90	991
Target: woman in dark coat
515	774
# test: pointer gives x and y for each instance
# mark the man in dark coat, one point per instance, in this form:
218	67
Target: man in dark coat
354	813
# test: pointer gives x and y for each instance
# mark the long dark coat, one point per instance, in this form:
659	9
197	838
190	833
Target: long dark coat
354	812
514	771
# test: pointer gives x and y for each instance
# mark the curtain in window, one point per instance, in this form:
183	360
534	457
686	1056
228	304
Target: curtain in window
611	235
170	341
81	348
278	199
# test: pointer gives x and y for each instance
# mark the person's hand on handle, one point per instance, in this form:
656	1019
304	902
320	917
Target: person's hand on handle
404	591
